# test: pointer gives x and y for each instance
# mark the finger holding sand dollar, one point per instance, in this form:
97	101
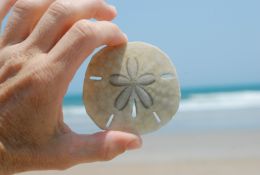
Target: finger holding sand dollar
132	88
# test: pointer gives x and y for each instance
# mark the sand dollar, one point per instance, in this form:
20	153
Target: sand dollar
132	88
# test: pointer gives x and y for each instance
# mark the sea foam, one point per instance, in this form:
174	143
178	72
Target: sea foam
221	100
199	102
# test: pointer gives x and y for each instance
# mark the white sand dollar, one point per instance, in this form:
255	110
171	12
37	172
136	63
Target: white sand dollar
132	88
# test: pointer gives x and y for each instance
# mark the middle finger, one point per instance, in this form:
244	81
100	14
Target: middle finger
61	15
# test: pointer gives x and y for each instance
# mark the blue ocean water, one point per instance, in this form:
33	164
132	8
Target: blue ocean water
208	108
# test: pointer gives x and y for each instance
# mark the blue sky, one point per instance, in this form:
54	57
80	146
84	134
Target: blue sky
210	42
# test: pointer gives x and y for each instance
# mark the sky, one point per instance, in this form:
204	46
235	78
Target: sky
211	43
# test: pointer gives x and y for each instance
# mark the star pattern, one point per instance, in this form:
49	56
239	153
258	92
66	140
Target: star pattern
133	84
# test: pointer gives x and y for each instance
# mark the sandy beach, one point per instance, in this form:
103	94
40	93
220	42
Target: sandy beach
199	153
192	150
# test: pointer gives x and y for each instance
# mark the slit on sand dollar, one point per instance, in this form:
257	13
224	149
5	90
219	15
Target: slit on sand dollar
95	78
134	111
156	116
109	122
167	76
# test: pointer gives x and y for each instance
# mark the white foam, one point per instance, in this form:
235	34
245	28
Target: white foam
74	110
223	100
199	102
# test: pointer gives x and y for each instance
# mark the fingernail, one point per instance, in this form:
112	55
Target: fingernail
135	144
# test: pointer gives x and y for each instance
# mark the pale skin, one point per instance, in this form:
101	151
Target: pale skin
41	48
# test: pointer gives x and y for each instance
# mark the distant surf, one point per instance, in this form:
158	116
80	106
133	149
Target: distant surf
194	99
221	100
199	102
200	109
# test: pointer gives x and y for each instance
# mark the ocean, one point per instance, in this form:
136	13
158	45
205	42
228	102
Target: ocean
201	110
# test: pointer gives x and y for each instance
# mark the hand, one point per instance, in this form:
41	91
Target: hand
42	47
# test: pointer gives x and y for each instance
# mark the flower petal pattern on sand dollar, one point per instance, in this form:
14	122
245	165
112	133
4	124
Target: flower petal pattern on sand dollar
144	96
119	80
133	83
123	98
146	79
132	67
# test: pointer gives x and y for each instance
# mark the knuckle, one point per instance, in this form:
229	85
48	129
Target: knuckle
114	27
35	78
103	11
13	65
97	8
85	29
10	62
109	25
35	75
40	76
98	3
10	68
107	153
25	6
61	9
106	156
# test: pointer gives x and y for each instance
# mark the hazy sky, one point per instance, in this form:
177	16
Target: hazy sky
210	42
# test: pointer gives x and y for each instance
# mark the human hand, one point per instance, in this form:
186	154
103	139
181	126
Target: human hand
42	47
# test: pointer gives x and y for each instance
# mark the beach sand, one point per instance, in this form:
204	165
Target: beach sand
209	142
224	152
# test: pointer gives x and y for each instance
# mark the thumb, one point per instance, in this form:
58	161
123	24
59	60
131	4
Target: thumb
71	149
102	146
109	144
